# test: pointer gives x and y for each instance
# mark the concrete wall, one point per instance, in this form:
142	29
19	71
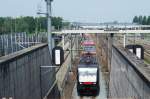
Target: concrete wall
63	73
129	77
21	76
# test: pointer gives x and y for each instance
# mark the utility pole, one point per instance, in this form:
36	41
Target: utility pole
49	31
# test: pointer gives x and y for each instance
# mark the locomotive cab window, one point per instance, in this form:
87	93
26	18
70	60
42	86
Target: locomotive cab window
89	48
87	74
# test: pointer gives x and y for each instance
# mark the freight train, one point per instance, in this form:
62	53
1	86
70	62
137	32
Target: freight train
88	47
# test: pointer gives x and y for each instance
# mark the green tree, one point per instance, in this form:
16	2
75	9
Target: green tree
30	24
65	24
42	24
148	20
7	25
57	22
21	25
135	19
144	20
140	19
1	25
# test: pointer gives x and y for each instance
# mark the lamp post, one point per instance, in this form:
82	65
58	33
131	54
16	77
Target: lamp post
49	31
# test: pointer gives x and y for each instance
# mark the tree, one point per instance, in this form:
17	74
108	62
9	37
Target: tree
144	20
135	19
21	25
30	22
140	19
7	25
57	22
1	24
65	24
42	23
148	20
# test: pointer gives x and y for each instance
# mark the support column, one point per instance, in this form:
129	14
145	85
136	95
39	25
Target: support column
50	41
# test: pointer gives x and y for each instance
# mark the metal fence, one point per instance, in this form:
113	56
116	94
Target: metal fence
10	43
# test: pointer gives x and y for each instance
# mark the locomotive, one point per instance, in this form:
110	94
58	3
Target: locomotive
88	76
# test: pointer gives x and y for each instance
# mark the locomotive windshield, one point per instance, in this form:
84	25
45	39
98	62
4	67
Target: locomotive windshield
89	48
87	74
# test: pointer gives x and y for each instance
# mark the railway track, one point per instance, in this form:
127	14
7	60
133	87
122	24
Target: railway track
102	93
75	95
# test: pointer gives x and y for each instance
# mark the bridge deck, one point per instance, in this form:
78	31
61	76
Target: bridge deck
99	31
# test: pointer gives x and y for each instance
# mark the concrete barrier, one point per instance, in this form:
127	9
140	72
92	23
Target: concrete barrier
63	73
21	76
129	77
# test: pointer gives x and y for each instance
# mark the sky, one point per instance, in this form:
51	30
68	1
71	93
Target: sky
98	11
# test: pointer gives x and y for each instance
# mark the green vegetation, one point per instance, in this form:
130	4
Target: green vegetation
143	20
29	24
